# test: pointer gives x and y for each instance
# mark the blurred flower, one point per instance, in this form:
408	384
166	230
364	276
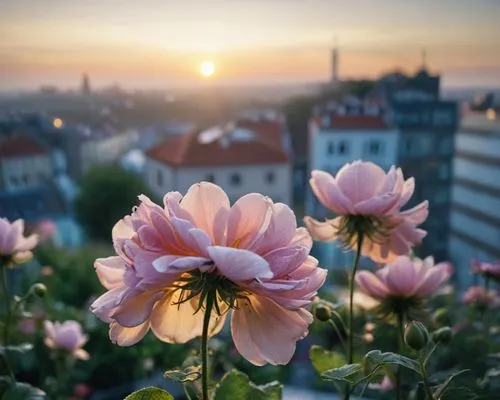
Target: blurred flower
370	327
45	230
249	258
368	337
148	364
82	390
368	200
67	336
47	270
488	270
384	386
27	326
478	296
13	245
402	285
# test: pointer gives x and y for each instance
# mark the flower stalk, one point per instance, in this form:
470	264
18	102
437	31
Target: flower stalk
400	333
204	344
8	313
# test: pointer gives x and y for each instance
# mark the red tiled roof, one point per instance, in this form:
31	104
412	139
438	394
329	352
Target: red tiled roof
352	122
270	132
20	146
186	150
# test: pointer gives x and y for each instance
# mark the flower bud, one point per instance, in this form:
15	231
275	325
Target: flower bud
38	289
442	335
323	313
442	317
416	335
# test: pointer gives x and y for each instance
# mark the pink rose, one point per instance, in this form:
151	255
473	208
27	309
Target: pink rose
367	199
66	336
250	259
12	242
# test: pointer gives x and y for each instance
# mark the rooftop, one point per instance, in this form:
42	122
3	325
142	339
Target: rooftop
350	122
20	145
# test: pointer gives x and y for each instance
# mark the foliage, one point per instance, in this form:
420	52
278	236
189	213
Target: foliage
236	385
150	394
107	194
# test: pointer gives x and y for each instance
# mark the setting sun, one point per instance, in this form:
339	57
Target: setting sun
207	68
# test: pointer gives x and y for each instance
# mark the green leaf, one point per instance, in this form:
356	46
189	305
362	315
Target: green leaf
189	374
150	393
459	393
23	391
442	388
236	385
379	358
21	348
342	374
323	359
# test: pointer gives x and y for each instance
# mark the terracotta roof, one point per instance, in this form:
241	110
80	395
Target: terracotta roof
186	150
20	146
352	122
271	132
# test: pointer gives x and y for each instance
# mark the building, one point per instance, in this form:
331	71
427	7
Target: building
24	163
342	133
427	128
475	217
242	157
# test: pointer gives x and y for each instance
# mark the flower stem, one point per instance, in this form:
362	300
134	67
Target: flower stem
486	324
350	325
204	345
6	331
400	334
427	386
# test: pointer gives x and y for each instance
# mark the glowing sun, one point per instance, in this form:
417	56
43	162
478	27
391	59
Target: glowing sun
207	68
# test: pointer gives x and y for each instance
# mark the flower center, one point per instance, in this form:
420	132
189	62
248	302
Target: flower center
374	228
201	285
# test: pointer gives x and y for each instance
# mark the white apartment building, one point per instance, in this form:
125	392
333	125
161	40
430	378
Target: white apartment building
241	157
475	212
340	134
23	163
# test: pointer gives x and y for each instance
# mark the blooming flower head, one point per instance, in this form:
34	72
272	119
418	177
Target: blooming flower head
488	270
481	298
402	285
249	259
384	386
46	229
67	336
368	200
14	247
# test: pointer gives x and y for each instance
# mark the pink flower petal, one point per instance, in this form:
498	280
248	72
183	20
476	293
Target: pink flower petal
239	264
377	205
110	271
324	231
286	259
329	194
137	309
402	277
360	181
127	336
434	278
370	284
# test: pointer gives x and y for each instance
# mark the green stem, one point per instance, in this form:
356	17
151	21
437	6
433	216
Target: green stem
400	334
350	325
427	386
6	331
204	345
339	334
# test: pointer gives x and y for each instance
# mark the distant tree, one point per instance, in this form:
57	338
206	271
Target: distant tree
107	194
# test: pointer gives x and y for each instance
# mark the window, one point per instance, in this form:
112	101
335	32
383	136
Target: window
343	147
374	147
446	145
159	178
210	178
270	177
330	149
235	179
408	143
444	171
442	117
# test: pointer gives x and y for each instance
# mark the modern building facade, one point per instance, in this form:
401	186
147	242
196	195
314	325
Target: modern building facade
475	217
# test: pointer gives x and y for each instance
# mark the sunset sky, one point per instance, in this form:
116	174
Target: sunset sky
161	43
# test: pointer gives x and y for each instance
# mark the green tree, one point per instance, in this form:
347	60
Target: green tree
107	194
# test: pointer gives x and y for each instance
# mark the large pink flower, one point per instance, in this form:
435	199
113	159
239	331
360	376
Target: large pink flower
404	278
13	245
67	336
252	250
365	197
489	270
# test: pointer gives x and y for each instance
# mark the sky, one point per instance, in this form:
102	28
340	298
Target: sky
161	43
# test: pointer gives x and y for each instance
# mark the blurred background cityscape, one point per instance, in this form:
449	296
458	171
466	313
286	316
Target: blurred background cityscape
101	101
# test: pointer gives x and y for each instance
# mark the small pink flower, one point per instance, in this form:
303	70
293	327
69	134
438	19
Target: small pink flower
12	242
366	198
384	386
404	278
46	229
252	253
478	296
66	336
27	326
47	270
82	390
489	270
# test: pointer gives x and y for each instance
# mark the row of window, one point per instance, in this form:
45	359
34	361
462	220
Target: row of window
373	147
25	179
235	179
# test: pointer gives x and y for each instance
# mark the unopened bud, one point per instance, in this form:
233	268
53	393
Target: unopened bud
39	289
416	335
442	335
442	317
323	313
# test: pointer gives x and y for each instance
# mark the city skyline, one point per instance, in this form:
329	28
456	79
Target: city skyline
161	44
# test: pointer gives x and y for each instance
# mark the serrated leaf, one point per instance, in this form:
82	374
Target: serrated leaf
21	348
343	373
379	358
150	393
189	374
236	385
23	391
323	360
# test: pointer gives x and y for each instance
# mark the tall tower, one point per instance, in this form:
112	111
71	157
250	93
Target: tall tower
85	84
335	63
